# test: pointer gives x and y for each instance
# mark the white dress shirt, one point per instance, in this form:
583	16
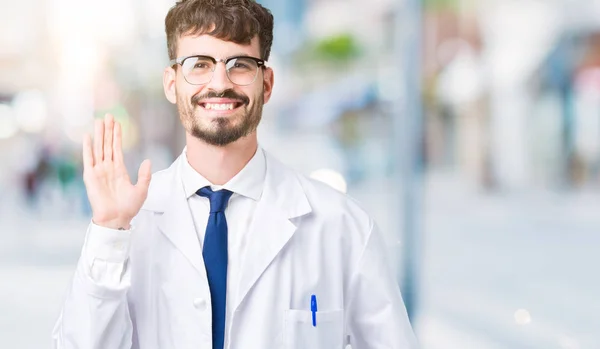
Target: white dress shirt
105	250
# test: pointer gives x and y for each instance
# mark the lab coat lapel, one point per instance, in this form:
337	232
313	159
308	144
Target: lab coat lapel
283	198
176	222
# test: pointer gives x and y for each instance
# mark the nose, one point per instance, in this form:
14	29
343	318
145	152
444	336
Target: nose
219	81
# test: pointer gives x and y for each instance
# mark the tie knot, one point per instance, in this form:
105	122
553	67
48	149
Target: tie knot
218	199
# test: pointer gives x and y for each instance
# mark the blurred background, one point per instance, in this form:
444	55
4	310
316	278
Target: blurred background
468	128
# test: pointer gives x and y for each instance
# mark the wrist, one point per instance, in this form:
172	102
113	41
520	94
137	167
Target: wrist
118	224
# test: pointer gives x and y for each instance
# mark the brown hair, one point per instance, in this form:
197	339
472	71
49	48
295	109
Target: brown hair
232	20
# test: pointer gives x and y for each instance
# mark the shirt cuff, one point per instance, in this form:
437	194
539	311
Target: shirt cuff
107	244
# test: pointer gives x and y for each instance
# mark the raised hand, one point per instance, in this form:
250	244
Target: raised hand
114	199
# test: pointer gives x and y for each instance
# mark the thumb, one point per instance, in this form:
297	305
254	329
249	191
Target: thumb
144	175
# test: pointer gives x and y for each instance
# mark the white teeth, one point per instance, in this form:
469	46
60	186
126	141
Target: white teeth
219	106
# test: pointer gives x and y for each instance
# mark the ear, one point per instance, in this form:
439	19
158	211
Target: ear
169	80
268	81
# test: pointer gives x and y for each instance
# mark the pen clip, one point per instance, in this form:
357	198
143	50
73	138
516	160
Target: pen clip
313	309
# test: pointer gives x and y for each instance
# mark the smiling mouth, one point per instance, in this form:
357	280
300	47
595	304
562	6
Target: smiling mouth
221	106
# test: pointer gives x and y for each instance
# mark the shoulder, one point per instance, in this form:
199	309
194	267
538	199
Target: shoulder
334	218
326	202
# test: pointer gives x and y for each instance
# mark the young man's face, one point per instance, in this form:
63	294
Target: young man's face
218	112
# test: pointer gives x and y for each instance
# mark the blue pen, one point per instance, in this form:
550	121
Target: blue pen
313	309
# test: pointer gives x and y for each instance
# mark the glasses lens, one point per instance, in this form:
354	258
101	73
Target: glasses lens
198	70
242	71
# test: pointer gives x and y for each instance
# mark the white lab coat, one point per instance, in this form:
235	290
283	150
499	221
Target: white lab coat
305	239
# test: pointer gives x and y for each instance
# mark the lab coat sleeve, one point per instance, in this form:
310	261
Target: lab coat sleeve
95	313
376	317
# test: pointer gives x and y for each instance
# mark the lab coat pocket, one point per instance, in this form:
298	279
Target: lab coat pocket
301	334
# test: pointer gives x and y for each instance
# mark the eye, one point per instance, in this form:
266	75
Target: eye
239	64
242	64
199	63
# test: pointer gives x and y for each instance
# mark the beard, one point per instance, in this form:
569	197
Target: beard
221	131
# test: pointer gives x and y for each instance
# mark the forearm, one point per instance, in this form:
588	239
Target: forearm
376	314
95	313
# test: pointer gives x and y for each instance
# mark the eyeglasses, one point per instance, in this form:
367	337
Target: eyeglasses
199	70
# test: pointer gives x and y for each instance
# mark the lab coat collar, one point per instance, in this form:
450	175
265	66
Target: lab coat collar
282	188
283	198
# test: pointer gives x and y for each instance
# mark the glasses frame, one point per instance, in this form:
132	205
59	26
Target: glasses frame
181	60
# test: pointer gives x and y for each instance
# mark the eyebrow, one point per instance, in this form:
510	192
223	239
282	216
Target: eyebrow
239	54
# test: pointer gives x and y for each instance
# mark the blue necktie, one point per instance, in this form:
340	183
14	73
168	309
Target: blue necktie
215	259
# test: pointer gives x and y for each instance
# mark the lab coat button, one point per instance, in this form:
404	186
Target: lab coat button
200	303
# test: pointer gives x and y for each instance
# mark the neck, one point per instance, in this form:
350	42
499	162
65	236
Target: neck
219	164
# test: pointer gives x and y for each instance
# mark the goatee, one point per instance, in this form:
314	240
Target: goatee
221	132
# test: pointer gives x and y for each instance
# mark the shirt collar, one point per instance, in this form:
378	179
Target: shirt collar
249	182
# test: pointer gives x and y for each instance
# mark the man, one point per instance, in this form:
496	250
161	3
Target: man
227	248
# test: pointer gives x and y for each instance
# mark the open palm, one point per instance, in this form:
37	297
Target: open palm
113	198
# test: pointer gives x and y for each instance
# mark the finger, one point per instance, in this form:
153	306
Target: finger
88	156
117	145
144	175
98	140
109	124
